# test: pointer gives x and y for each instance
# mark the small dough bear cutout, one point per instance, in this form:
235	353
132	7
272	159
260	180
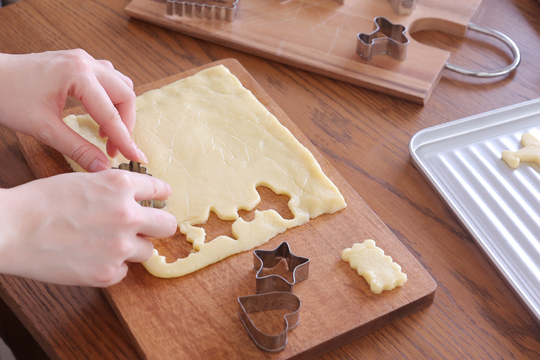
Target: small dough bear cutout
529	152
379	270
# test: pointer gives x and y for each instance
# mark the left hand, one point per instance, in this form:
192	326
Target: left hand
34	89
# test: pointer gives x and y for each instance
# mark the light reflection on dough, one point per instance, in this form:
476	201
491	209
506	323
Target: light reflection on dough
215	143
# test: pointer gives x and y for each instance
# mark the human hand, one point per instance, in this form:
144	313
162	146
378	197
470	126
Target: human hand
80	229
34	89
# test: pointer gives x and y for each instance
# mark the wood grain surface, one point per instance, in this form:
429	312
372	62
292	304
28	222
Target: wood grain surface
321	36
204	304
475	315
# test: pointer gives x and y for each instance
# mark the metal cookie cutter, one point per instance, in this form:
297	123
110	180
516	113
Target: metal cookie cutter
297	265
403	7
273	293
136	167
387	38
265	302
208	9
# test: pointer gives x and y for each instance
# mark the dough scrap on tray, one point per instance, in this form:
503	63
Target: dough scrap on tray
215	143
529	152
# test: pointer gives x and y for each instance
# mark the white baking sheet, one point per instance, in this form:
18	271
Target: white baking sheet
498	205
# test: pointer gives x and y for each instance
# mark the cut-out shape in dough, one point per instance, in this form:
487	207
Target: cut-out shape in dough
529	152
215	144
379	270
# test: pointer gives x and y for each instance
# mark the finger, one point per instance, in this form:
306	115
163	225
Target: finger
120	91
111	149
120	275
106	63
119	88
109	64
97	102
143	249
158	223
87	155
149	187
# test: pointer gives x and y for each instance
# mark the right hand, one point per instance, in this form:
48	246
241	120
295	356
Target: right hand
81	228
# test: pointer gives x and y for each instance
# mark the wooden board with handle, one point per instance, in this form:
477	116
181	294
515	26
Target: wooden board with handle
321	36
195	316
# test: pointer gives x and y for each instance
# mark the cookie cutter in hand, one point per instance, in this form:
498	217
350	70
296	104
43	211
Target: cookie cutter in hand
136	167
387	38
209	9
274	292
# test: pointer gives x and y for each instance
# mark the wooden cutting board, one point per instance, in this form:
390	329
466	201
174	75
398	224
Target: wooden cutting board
321	36
195	316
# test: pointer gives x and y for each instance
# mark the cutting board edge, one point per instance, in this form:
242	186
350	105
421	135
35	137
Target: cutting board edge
27	142
328	346
125	325
413	94
378	323
349	335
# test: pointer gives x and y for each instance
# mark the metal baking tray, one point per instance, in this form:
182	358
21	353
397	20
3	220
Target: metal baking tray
498	205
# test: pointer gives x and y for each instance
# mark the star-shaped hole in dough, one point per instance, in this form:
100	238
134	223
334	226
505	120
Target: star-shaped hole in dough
178	247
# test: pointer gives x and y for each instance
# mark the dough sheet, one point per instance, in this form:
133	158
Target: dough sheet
215	143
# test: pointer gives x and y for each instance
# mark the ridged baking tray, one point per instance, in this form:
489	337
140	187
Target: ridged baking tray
498	205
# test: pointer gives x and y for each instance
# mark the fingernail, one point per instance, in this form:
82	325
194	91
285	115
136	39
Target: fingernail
98	165
142	156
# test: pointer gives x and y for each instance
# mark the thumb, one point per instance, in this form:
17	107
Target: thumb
62	138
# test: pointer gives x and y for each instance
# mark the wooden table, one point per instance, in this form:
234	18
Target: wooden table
475	314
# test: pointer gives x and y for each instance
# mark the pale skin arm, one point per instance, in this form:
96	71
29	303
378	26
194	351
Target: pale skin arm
78	228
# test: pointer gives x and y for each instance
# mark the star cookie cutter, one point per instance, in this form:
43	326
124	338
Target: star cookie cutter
274	292
136	167
208	9
297	265
403	7
387	38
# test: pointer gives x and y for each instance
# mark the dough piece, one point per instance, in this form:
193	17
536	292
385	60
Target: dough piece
378	269
529	152
215	143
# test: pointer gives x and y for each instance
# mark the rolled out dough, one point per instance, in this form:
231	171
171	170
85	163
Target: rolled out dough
215	143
